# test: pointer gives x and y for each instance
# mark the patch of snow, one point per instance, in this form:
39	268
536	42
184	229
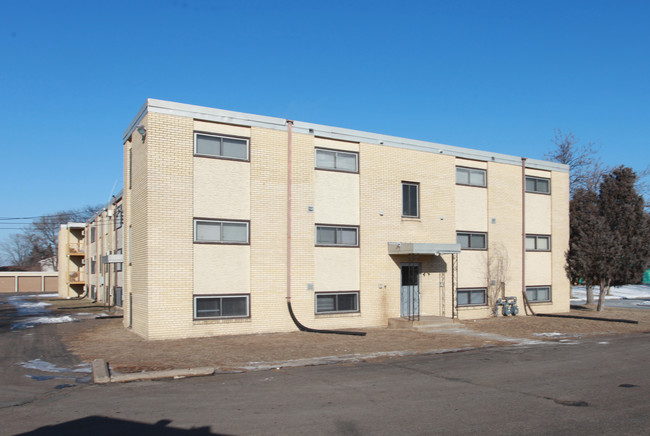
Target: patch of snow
644	303
549	335
42	365
627	291
31	322
55	295
25	307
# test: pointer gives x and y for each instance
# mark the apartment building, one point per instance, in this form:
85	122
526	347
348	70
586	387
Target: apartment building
230	216
91	256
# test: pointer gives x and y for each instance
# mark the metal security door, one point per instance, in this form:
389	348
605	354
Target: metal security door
410	295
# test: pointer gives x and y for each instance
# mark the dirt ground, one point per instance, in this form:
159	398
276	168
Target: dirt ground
126	352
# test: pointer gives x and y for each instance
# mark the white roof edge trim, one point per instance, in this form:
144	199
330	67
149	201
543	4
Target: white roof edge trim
340	133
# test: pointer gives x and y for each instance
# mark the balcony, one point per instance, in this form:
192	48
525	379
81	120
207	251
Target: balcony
76	249
77	278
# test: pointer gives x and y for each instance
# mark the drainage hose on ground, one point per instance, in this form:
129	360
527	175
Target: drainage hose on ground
303	328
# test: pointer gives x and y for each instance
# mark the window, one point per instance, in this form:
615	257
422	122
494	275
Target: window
410	199
220	146
93	234
221	232
538	185
538	293
92	266
538	243
118	265
337	160
471	240
118	296
119	217
336	302
470	176
93	292
335	235
471	297
222	306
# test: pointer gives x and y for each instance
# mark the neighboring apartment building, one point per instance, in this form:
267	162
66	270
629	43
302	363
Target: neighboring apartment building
90	256
231	215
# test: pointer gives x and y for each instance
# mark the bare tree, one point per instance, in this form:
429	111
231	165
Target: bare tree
44	231
497	273
17	250
586	167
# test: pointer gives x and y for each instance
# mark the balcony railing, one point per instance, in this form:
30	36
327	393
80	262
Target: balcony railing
77	277
76	249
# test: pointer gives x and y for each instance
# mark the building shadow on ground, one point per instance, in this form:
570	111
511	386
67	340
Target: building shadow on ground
102	426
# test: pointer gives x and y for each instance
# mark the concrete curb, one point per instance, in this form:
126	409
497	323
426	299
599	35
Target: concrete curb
170	373
101	373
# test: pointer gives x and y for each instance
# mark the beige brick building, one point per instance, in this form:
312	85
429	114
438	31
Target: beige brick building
91	256
227	216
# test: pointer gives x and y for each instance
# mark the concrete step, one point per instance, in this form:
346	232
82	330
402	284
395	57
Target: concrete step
425	322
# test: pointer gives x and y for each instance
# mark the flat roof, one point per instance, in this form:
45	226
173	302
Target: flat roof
251	120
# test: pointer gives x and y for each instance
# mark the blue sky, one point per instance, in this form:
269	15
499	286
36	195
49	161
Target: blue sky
492	75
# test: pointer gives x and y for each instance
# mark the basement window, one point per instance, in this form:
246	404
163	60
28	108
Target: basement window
222	306
536	294
337	302
471	297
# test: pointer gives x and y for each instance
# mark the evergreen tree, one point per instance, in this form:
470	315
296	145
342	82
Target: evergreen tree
609	241
623	209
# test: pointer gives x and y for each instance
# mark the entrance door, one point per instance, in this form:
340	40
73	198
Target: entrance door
410	295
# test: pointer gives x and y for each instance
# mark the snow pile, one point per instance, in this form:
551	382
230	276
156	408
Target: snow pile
616	292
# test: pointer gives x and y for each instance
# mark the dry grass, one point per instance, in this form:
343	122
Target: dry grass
127	352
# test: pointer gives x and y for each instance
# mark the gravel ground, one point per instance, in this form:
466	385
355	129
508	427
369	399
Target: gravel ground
126	352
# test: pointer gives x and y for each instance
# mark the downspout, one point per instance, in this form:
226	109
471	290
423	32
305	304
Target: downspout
289	183
523	238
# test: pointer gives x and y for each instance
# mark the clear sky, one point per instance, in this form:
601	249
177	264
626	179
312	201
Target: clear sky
493	75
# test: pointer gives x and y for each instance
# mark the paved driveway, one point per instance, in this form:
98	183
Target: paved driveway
33	360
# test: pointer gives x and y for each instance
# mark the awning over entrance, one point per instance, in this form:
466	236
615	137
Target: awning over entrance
422	248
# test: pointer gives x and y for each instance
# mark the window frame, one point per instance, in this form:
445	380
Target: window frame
536	237
469	297
195	297
121	294
336	227
222	221
119	266
536	179
118	219
336	294
417	206
464	232
470	169
537	287
222	137
337	152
